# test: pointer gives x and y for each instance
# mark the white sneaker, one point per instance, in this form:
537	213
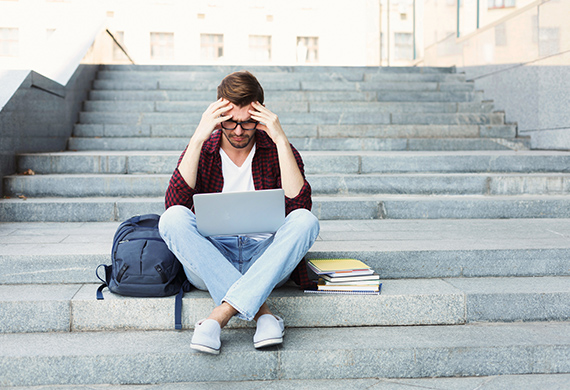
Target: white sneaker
206	337
270	331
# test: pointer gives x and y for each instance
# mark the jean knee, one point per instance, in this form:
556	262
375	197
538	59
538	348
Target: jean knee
307	219
173	217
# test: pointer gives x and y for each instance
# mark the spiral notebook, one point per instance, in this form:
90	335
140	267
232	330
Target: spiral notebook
346	292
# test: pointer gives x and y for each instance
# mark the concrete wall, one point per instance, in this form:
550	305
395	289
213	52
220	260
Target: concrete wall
40	116
535	97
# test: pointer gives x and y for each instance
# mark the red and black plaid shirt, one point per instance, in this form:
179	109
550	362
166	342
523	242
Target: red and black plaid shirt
266	175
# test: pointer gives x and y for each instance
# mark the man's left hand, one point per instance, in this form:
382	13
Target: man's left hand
268	122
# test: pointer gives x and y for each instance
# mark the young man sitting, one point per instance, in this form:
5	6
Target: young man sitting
239	145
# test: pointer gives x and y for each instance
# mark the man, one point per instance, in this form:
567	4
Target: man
239	145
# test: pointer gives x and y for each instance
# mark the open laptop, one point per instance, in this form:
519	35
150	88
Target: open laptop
236	213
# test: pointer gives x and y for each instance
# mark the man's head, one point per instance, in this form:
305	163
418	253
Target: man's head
241	88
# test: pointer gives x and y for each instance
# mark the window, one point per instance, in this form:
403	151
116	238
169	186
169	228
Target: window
307	50
500	35
501	4
161	46
9	42
403	46
548	41
211	46
260	47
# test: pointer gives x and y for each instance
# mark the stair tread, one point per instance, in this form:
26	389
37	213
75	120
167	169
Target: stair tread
476	349
446	301
527	381
349	235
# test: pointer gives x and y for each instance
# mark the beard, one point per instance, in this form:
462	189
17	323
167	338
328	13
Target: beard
246	140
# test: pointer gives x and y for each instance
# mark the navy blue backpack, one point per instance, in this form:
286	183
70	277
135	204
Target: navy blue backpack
142	265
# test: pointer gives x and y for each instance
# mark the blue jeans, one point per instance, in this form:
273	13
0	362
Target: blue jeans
236	269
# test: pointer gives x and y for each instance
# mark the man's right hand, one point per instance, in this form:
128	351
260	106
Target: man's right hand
211	119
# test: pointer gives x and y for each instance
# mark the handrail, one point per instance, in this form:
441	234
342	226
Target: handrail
490	25
120	46
502	20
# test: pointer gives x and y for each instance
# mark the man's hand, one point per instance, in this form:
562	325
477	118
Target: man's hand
269	122
292	181
211	118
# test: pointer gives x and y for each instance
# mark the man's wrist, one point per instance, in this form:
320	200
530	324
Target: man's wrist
195	144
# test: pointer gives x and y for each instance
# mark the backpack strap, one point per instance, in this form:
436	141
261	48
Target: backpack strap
105	282
178	305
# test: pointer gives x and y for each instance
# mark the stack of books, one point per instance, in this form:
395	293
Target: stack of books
345	275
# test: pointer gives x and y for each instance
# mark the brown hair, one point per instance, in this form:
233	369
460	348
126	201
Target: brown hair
241	88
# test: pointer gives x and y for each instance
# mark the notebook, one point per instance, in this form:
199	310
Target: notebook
237	213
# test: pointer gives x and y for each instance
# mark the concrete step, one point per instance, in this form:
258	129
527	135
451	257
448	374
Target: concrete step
225	69
149	185
32	308
397	352
293	96
378	131
163	162
337	207
68	253
313	144
286	85
396	144
198	107
264	77
502	382
345	117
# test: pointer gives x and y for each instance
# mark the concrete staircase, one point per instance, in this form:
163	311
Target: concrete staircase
412	172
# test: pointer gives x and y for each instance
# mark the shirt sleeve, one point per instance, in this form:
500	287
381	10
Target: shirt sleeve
179	192
303	199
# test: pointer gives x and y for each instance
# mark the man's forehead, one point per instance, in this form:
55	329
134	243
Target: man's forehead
241	113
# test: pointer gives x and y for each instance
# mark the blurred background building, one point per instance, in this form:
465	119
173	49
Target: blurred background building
516	50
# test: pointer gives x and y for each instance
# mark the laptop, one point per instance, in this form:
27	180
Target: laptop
237	213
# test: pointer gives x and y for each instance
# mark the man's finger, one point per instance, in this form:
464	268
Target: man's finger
222	110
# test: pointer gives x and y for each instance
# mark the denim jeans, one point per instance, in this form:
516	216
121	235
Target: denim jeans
236	269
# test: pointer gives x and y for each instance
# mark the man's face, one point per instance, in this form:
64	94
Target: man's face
238	137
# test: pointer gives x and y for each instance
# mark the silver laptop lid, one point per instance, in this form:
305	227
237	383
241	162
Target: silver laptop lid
235	213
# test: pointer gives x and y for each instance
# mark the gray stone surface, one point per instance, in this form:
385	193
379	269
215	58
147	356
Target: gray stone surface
445	272
315	162
304	143
155	185
513	299
534	96
331	353
414	96
499	382
396	248
36	308
402	302
39	116
366	207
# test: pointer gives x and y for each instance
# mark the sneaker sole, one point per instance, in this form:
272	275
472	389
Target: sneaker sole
268	342
205	349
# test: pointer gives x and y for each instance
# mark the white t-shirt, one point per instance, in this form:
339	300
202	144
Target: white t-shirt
239	179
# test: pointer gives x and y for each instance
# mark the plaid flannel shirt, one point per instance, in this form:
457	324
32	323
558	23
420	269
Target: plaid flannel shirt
266	175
